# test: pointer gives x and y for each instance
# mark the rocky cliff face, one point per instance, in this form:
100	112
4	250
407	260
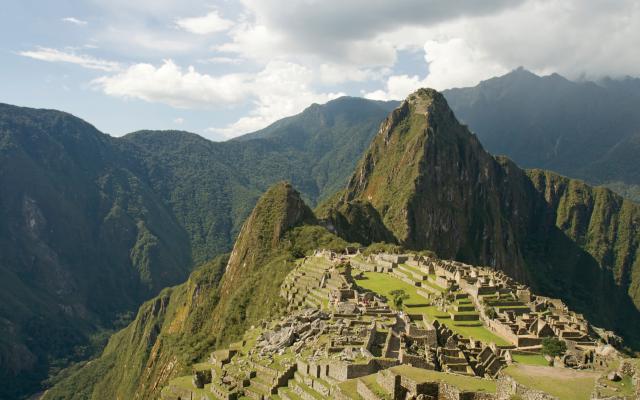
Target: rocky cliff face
434	187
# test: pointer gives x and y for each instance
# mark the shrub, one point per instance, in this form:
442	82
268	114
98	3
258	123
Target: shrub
552	346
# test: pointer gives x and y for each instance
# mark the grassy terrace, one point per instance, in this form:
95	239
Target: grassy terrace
530	359
462	382
383	284
566	384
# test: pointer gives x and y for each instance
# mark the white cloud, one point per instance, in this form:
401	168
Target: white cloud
210	23
397	87
169	84
341	31
75	21
55	55
281	89
178	121
454	63
337	73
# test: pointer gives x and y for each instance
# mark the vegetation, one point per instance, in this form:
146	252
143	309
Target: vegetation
490	312
398	296
552	346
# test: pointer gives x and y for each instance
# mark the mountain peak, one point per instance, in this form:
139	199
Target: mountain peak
426	100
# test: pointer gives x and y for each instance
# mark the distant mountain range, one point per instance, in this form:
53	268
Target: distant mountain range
584	130
91	226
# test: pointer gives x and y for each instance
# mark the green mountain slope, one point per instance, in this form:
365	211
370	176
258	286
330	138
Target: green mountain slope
185	322
434	187
83	241
581	129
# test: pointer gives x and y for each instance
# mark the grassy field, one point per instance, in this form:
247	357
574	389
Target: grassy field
460	381
530	359
566	384
383	284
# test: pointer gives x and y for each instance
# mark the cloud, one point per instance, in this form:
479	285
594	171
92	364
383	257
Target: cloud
178	121
210	23
75	21
280	90
340	31
170	84
55	55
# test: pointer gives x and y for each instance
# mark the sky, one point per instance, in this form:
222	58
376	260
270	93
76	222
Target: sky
222	68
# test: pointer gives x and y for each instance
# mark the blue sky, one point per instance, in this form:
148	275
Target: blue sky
224	68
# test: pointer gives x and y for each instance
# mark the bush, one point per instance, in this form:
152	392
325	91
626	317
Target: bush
552	346
490	312
399	296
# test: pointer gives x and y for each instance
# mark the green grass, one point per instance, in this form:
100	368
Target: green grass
460	381
373	385
530	359
566	385
383	284
349	388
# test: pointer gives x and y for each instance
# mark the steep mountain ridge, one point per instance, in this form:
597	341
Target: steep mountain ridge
434	187
215	306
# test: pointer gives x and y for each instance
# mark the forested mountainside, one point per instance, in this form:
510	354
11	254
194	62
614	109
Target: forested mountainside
425	183
430	183
91	226
84	240
585	130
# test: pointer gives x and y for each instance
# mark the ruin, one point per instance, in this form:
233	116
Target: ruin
341	340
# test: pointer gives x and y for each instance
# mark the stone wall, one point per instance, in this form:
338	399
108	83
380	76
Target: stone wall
448	392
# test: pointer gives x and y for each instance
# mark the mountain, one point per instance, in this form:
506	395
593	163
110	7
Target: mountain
585	130
84	241
429	181
91	226
212	186
215	306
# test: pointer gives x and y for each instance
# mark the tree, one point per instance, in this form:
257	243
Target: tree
490	312
399	296
553	346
